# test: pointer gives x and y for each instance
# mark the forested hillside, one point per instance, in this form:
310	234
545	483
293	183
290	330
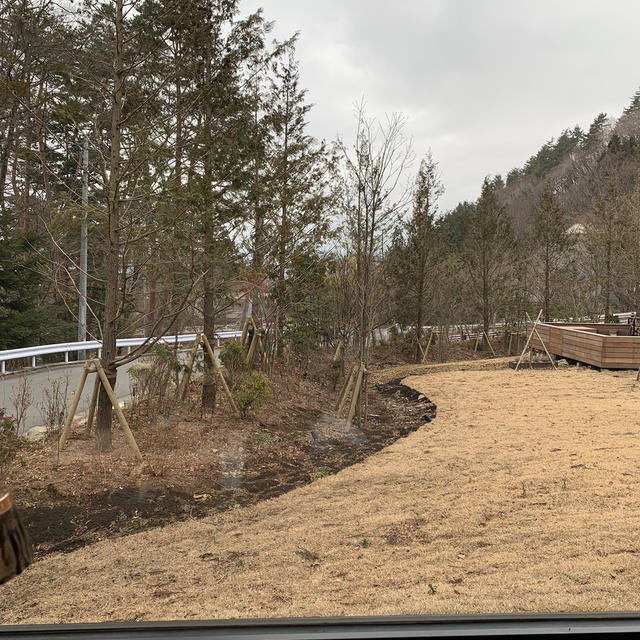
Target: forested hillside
575	221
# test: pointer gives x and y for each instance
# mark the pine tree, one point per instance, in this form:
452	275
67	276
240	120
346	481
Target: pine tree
634	104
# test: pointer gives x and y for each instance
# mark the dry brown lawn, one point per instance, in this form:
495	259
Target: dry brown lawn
522	495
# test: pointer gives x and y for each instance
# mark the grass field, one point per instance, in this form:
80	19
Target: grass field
522	495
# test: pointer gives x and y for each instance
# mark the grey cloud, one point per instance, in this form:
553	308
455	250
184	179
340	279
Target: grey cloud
482	82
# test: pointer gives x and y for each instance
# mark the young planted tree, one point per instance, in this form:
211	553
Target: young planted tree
133	143
419	251
627	282
603	239
229	47
299	198
552	241
487	253
374	171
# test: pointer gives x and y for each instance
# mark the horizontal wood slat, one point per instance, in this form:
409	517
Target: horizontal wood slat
584	344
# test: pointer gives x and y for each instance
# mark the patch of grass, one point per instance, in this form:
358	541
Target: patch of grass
264	438
364	543
314	475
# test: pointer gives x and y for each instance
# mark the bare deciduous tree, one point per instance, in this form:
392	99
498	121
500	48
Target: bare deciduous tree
375	168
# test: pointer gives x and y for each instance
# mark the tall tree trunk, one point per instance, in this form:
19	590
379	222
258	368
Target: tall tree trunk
419	313
6	152
283	240
607	282
486	312
109	352
208	383
547	287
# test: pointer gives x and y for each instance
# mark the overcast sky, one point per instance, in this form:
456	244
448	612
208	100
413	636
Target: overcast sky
483	83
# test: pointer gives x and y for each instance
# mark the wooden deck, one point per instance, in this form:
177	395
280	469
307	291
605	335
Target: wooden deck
608	346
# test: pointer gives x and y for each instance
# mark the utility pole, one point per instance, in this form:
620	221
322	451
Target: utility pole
82	308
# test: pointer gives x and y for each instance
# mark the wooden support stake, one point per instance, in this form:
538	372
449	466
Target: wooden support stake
252	349
426	351
475	348
356	393
245	329
510	340
489	343
543	344
94	402
116	407
344	392
66	429
337	356
216	366
528	339
186	376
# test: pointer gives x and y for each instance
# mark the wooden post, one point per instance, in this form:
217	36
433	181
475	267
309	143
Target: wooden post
186	376
116	407
92	406
344	392
510	340
543	344
216	366
245	328
426	351
528	339
489	343
66	429
475	348
257	337
356	393
337	356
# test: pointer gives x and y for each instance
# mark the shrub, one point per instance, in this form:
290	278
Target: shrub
303	336
252	392
150	376
10	442
234	360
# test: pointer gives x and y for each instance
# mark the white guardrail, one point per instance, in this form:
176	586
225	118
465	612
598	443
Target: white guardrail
31	353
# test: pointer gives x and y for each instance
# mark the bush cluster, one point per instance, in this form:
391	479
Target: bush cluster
10	442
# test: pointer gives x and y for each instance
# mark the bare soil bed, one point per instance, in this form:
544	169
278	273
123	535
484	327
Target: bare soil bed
195	465
522	495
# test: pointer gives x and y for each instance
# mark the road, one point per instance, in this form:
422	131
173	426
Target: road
43	378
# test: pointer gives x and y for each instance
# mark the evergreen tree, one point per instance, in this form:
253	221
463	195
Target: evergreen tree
594	137
453	223
550	237
487	253
634	104
21	316
299	185
415	261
